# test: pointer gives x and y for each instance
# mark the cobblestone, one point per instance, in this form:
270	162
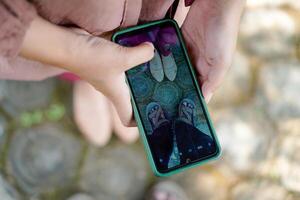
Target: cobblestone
268	34
288	159
81	196
279	84
259	189
23	96
293	4
202	184
237	83
7	192
43	158
116	172
244	135
2	86
2	131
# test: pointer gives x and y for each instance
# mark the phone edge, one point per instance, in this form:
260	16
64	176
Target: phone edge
138	119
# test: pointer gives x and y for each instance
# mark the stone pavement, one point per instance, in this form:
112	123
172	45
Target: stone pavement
256	113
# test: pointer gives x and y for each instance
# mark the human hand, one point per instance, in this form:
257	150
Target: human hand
96	60
210	32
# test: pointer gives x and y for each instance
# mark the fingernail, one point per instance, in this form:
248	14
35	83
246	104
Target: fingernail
149	43
208	97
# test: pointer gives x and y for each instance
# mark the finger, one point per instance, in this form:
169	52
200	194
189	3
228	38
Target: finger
118	93
213	81
126	134
133	56
89	102
207	91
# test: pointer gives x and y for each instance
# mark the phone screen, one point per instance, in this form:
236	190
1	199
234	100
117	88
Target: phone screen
169	105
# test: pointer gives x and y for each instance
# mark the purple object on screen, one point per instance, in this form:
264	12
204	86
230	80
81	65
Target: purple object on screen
161	38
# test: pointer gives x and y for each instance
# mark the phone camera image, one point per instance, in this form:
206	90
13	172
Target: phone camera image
168	102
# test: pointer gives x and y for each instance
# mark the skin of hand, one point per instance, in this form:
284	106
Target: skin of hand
210	31
97	60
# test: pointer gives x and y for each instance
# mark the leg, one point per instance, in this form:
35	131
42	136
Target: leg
192	143
161	139
92	114
161	144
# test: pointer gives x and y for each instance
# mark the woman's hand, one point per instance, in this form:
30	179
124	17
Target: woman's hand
210	31
96	60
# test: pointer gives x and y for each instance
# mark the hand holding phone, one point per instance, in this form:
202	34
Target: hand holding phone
169	108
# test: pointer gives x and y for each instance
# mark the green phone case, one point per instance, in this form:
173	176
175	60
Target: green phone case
137	116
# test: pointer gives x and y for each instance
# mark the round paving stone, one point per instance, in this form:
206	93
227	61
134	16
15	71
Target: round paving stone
183	76
137	71
81	196
7	192
237	83
245	137
2	131
258	190
142	86
43	158
27	95
199	121
2	89
268	33
168	94
288	159
274	3
146	122
193	95
202	184
278	91
116	172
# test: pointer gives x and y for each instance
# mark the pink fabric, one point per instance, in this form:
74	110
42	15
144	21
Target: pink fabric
19	68
154	9
69	77
188	2
94	16
15	17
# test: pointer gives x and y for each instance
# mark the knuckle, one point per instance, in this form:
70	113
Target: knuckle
220	61
126	123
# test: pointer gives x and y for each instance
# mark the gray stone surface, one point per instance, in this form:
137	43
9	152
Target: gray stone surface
81	196
43	158
236	86
294	4
26	95
2	131
268	33
7	192
259	190
278	91
2	88
244	136
116	172
288	158
202	184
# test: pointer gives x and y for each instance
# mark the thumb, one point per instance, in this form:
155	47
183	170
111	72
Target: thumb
134	56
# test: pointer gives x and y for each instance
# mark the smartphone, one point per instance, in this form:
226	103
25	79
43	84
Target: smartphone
168	105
